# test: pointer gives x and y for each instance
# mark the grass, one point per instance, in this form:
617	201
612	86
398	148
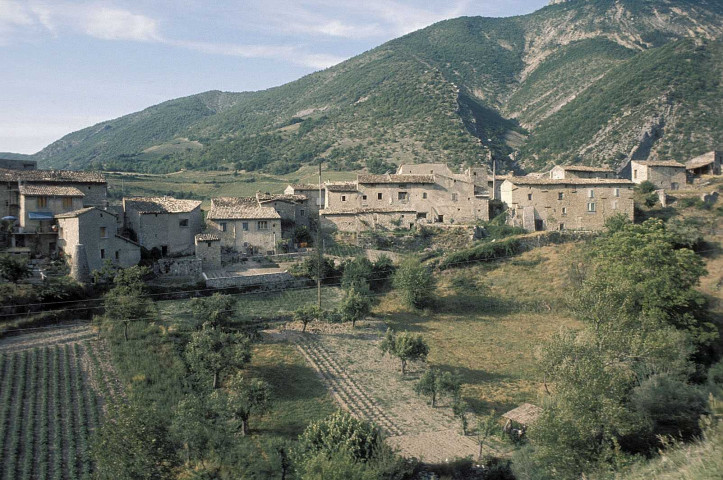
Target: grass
490	332
205	185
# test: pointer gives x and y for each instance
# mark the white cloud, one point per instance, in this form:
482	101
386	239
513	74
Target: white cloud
116	24
288	53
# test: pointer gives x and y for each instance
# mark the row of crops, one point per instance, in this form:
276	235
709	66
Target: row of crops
47	412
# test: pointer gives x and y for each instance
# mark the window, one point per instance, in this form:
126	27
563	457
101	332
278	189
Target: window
562	226
343	198
635	174
591	207
102	253
379	196
424	195
591	193
245	226
117	255
454	197
529	196
262	225
615	204
616	192
560	196
364	197
301	213
402	196
564	210
103	232
183	222
223	226
42	202
67	202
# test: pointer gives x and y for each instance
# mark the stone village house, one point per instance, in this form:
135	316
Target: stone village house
664	174
418	194
165	223
97	230
566	204
244	225
706	164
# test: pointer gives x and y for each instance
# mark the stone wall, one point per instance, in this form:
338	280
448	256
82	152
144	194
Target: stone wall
178	267
269	281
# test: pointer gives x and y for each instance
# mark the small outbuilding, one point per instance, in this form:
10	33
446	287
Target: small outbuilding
706	164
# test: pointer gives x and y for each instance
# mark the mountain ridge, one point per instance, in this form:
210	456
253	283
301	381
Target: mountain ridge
433	95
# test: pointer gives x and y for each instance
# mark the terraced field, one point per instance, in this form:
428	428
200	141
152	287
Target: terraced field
50	403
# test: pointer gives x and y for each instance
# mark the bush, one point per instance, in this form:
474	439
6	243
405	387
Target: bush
415	283
482	253
646	187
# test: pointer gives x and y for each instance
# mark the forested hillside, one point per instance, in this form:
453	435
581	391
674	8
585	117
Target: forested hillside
591	81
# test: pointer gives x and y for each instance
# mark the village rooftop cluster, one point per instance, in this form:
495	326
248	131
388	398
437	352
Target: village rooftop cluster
67	214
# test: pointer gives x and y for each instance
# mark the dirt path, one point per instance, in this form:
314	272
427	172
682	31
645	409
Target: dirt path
371	387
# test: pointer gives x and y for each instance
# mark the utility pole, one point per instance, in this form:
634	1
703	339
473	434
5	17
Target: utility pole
318	245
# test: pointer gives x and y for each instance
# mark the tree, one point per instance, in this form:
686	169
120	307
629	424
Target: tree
486	426
357	273
243	398
459	409
382	273
211	351
127	301
132	443
339	432
217	309
434	383
405	346
306	314
415	283
354	306
190	425
13	269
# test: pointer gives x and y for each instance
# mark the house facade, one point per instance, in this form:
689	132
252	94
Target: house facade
292	208
97	230
667	175
566	204
404	200
165	223
244	225
315	201
706	164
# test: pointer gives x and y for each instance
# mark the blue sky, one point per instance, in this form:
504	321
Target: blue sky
71	64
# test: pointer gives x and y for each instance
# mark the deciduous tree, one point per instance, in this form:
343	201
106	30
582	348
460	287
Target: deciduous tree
211	351
243	398
415	283
405	346
354	306
127	301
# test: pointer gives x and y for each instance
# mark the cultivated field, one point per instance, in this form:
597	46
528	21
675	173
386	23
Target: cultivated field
49	403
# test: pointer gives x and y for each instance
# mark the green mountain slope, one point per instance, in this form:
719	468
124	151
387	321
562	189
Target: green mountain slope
523	82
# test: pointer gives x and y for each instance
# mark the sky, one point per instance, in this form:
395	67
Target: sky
71	64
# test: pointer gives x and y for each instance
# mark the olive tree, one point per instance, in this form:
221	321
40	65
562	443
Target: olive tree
406	346
211	351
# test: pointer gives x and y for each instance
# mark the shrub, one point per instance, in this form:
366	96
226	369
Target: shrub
646	187
415	283
481	253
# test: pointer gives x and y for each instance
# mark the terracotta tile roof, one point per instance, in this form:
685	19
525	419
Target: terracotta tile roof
239	208
281	197
701	161
355	211
208	237
305	186
568	181
660	163
51	176
75	213
81	211
583	168
341	187
50	190
160	204
403	178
